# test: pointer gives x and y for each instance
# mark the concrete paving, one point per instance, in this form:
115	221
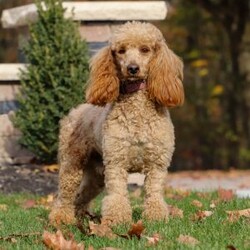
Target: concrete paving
236	180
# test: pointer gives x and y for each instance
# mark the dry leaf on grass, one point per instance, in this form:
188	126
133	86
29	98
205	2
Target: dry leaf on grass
203	195
212	205
200	215
176	194
136	229
188	240
175	211
236	214
51	168
58	242
154	239
28	204
101	230
197	203
243	212
225	194
46	201
3	207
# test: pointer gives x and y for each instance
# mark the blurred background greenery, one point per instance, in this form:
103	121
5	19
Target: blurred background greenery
213	39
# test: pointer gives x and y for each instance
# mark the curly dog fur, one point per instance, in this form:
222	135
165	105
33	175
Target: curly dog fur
127	131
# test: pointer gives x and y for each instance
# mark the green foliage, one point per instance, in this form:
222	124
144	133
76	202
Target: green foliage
54	81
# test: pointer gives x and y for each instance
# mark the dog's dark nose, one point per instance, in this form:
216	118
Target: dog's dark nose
133	69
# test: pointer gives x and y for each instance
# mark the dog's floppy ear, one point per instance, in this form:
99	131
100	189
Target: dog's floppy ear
165	77
103	85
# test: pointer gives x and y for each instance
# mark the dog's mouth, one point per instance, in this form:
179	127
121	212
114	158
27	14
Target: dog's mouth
131	86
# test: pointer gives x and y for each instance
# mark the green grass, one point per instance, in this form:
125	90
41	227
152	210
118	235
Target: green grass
214	232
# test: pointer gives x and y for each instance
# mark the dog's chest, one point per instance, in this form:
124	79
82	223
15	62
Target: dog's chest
136	116
138	128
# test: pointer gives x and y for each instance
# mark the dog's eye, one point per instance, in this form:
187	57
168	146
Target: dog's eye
144	50
122	51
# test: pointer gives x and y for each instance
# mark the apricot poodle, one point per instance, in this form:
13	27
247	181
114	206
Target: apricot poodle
124	127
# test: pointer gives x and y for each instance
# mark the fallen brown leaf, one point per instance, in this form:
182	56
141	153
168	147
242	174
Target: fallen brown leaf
225	194
154	239
101	230
243	212
212	205
176	194
197	203
216	202
46	201
3	207
58	242
203	194
28	204
233	216
200	215
188	240
175	211
136	229
51	168
13	240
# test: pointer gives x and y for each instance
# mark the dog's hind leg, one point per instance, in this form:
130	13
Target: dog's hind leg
73	154
92	183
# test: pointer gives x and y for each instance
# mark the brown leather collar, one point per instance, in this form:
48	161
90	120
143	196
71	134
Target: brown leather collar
129	87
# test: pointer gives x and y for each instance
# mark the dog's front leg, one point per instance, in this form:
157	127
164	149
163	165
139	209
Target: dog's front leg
155	207
115	206
63	210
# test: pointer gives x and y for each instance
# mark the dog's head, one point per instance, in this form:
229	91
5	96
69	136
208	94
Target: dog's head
137	51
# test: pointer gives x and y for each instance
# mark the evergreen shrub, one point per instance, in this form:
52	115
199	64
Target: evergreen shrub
54	80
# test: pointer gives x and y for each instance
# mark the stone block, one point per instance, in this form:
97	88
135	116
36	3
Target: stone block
91	11
6	126
95	33
12	152
11	71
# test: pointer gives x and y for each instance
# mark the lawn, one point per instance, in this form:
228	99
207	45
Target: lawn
23	219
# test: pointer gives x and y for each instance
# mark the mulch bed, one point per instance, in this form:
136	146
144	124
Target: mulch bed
27	178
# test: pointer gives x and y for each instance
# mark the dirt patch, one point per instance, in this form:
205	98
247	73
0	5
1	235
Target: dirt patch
27	178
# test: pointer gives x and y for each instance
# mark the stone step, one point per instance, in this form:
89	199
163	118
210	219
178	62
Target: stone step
11	71
91	11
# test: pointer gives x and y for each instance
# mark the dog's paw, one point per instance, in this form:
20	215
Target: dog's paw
155	208
62	215
116	209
